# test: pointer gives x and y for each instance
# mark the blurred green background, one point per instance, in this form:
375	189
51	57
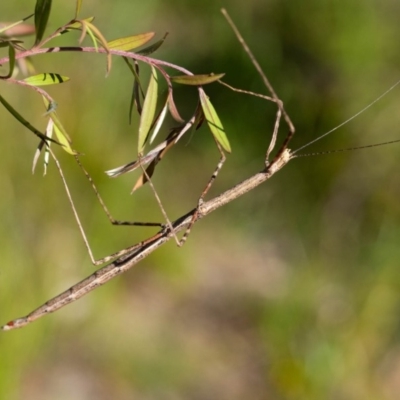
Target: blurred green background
290	292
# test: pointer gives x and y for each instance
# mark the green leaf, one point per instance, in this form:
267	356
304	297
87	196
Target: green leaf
74	25
11	57
149	110
46	158
214	122
156	153
42	12
151	49
87	30
44	79
95	34
137	88
196	80
78	8
130	42
151	168
49	133
159	122
62	135
17	28
173	109
37	155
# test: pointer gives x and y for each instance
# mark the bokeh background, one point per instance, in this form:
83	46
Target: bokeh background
290	292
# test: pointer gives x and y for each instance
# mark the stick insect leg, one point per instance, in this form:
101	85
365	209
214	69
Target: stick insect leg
274	136
203	194
80	226
158	199
112	220
260	72
277	120
281	111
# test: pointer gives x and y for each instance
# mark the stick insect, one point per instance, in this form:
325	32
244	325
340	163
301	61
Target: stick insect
136	253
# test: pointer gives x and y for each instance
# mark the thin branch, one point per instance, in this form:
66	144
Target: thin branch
135	56
33	87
